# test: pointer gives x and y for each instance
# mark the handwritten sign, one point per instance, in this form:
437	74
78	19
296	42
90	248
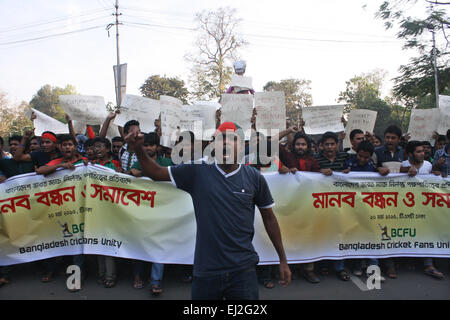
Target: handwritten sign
171	112
422	124
271	111
321	119
238	108
444	106
359	119
44	122
85	109
200	119
142	109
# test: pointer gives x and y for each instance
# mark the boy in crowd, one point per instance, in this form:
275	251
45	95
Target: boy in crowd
49	150
414	166
389	152
150	146
300	159
127	154
330	160
117	144
102	151
441	159
362	162
10	167
107	272
70	157
356	137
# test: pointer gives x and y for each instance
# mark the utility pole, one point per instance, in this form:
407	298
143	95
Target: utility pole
119	85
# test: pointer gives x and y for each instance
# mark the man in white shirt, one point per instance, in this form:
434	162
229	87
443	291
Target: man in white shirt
416	163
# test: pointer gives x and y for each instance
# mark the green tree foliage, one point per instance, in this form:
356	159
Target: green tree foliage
416	86
218	42
46	100
156	86
297	93
364	92
12	118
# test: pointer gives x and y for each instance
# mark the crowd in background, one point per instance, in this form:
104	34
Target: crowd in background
297	152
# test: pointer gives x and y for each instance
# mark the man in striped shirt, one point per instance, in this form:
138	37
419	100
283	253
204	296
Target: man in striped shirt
127	155
331	160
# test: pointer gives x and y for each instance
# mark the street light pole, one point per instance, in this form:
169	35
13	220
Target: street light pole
436	83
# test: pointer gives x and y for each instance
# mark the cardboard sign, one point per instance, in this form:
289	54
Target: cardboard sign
271	111
321	119
422	124
359	119
85	109
238	108
200	119
171	113
142	109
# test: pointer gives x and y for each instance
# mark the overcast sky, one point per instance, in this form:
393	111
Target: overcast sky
327	42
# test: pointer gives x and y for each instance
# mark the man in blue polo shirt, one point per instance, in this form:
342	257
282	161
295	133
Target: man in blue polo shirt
224	195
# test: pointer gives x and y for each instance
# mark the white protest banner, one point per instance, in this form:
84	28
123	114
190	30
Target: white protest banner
244	83
321	119
238	108
359	119
171	112
79	127
444	106
142	109
44	122
422	124
85	109
270	111
200	119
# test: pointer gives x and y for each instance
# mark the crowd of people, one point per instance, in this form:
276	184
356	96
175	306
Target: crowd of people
297	152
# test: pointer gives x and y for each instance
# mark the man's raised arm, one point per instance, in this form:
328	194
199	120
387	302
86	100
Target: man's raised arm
149	167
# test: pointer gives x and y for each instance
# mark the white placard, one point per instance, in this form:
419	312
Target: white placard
422	124
208	103
200	119
270	111
85	109
444	102
44	122
359	119
238	108
142	109
321	119
444	106
171	112
241	82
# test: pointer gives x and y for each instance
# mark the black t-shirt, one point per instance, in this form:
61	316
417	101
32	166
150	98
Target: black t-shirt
41	158
224	207
11	168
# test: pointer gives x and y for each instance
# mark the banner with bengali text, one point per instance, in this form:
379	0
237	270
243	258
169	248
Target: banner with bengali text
94	210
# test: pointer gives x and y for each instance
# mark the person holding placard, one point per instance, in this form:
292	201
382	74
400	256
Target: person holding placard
331	160
414	166
150	146
300	158
224	195
442	158
127	155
